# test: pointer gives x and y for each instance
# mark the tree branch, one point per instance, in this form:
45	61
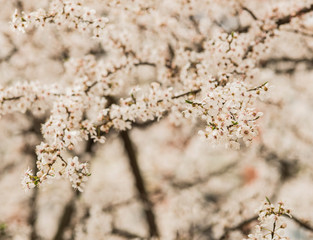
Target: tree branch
125	234
28	149
284	60
199	181
288	18
70	208
66	217
238	227
250	12
140	185
279	22
301	223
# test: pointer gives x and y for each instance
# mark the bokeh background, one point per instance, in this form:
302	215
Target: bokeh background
195	190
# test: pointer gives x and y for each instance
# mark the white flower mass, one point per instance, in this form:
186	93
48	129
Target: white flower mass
145	119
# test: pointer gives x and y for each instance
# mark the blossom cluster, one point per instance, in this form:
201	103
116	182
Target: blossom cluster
139	106
200	78
87	111
29	180
70	14
272	224
162	71
25	96
77	173
51	164
228	112
96	78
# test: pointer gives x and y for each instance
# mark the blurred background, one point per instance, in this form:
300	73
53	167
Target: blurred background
159	179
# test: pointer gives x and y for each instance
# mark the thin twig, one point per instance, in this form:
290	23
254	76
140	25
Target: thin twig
279	22
250	12
258	87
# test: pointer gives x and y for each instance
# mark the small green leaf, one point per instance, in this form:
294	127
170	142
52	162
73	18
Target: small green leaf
234	123
188	101
268	200
36	180
213	126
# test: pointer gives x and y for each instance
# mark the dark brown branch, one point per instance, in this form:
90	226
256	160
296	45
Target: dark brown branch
113	206
66	217
171	56
288	168
11	98
33	214
242	29
116	70
287	19
284	60
279	22
302	223
145	64
187	93
14	49
125	234
250	12
258	87
7	168
9	55
19	5
286	65
98	51
239	226
199	181
29	149
140	185
147	123
70	208
195	24
297	31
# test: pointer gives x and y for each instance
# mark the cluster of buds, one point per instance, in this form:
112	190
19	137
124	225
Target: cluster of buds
272	224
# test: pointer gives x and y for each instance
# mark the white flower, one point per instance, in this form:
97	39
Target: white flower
28	180
71	137
77	173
